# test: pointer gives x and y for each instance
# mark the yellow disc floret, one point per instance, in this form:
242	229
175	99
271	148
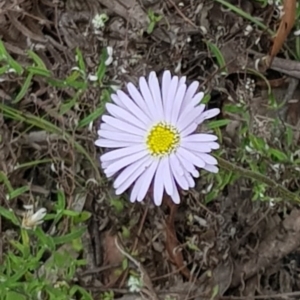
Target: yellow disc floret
162	139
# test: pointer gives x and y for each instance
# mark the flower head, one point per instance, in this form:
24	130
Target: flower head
152	132
31	219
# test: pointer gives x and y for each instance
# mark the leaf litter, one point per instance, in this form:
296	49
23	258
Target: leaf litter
219	241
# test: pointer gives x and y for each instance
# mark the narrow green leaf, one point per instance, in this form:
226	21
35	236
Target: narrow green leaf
11	295
90	118
33	163
61	200
218	55
38	61
4	69
44	239
9	215
278	154
24	88
12	63
80	60
4	179
57	83
77	233
71	213
17	192
39	71
65	107
102	67
218	123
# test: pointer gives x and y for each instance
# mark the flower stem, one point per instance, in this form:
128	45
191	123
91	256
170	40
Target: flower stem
260	178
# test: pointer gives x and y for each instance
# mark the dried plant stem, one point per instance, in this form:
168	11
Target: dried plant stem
259	177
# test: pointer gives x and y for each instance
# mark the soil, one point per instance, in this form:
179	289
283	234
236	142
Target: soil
230	247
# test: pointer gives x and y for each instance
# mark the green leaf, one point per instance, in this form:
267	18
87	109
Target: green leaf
9	215
218	123
61	200
44	239
24	88
278	154
90	118
38	61
17	192
150	27
234	109
80	60
67	106
218	55
39	71
4	69
10	295
70	213
82	217
4	179
70	236
206	99
102	67
6	57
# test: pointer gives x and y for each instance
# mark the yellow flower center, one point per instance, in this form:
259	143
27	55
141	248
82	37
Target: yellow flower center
162	139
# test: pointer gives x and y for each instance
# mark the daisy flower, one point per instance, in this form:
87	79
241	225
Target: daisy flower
152	133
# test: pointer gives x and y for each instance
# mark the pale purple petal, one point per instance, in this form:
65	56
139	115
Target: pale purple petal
200	147
167	175
134	171
190	92
197	99
156	94
105	126
158	188
185	163
208	114
194	114
177	103
123	126
133	108
200	137
124	115
175	195
190	129
174	161
182	80
188	155
117	100
135	191
105	143
211	168
208	159
119	136
138	99
170	98
146	180
148	98
190	180
117	154
195	173
166	81
128	172
105	164
214	145
125	161
180	179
